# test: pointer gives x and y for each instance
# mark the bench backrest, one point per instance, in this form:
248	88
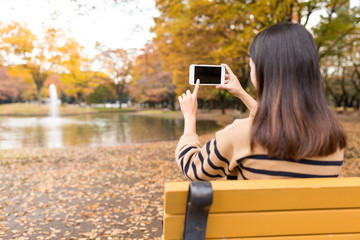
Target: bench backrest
295	209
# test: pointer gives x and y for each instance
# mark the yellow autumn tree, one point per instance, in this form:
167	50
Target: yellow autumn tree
78	78
38	55
213	32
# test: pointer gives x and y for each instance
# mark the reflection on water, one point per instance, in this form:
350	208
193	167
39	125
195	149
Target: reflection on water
90	130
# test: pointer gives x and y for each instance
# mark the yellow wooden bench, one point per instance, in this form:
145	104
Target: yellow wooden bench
286	209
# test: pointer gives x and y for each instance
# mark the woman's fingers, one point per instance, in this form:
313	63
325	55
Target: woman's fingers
227	68
188	93
196	89
222	86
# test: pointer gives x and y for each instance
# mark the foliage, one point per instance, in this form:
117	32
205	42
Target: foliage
187	31
117	65
337	37
15	85
43	57
78	80
16	40
150	83
214	32
101	94
38	56
80	84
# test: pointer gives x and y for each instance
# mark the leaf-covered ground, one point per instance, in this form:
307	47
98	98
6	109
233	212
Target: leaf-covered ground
99	193
351	166
85	193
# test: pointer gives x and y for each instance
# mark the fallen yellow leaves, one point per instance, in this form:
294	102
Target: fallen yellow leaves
86	193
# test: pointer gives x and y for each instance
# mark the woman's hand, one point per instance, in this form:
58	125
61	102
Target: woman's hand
188	102
189	107
232	83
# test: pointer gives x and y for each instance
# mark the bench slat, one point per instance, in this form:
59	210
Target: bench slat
353	236
270	195
260	224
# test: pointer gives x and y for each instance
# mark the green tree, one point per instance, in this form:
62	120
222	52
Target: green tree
337	37
101	94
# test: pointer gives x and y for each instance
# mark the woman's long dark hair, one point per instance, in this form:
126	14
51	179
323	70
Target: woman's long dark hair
293	120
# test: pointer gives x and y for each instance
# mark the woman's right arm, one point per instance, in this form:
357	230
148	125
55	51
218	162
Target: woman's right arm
209	162
233	85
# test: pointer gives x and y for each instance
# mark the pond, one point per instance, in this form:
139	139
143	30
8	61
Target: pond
108	129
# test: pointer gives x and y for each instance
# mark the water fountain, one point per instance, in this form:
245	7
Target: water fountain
54	108
54	132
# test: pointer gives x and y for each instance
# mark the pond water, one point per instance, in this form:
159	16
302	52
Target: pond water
108	129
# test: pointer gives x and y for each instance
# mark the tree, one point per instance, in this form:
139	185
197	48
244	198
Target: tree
150	83
14	86
78	78
337	37
117	65
341	74
204	32
101	94
200	31
39	56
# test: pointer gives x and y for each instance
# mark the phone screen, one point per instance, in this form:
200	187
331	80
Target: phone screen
208	75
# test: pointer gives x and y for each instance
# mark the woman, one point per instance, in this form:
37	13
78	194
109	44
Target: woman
290	133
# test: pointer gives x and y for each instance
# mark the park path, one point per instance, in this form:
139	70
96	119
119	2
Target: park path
100	193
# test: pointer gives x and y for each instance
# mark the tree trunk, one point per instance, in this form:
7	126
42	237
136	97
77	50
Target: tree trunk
39	90
119	91
39	78
79	97
222	101
209	104
119	99
171	102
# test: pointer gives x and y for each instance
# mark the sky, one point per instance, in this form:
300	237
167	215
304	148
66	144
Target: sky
115	24
316	15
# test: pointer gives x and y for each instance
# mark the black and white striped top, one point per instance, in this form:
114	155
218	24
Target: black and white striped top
229	154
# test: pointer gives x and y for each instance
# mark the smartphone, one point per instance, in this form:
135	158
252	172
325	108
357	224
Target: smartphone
208	74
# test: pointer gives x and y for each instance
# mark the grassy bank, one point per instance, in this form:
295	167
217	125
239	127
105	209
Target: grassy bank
214	115
30	109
